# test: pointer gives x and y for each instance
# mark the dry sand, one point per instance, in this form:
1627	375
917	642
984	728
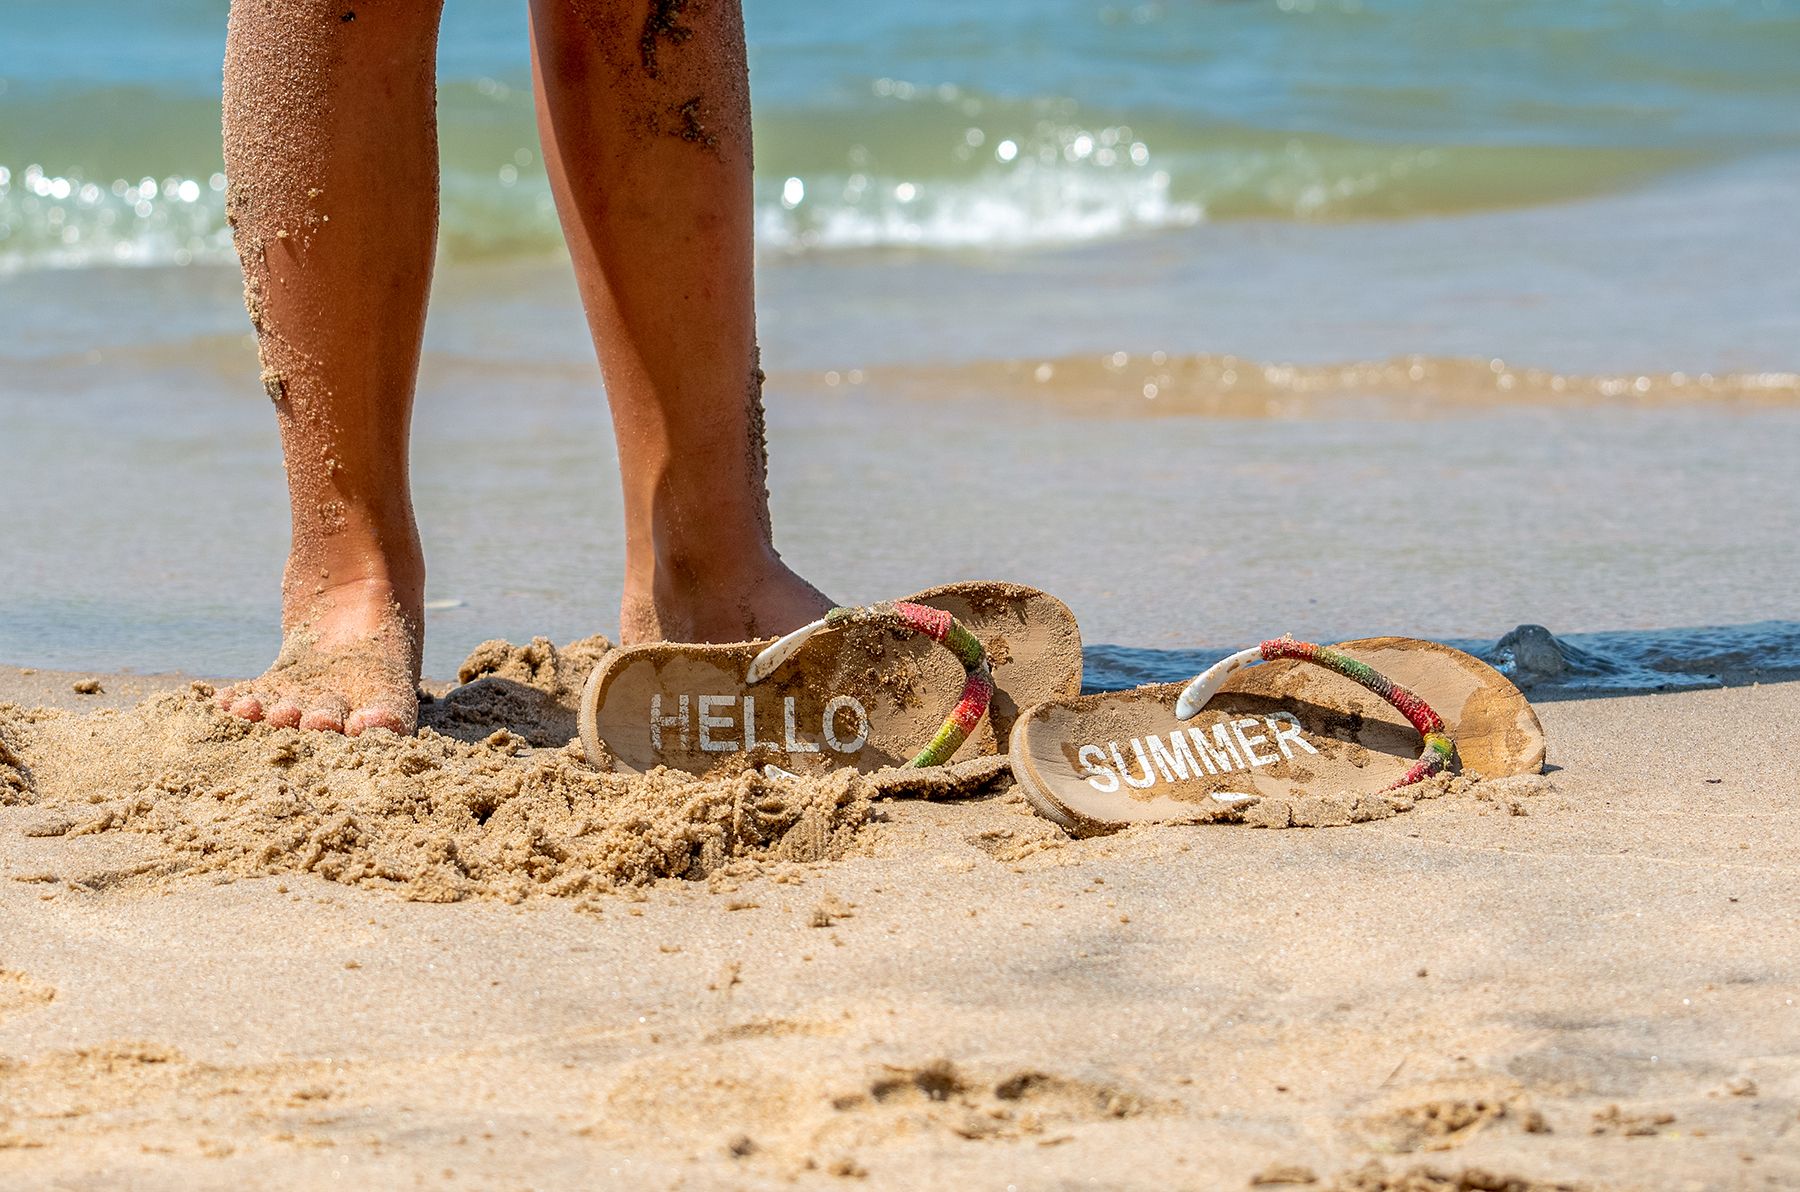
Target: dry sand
226	960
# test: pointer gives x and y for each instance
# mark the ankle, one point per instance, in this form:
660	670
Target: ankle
370	590
744	593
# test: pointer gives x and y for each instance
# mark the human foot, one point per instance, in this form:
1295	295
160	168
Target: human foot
680	605
349	663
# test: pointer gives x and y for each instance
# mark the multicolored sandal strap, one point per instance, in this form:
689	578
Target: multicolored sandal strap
939	626
1438	748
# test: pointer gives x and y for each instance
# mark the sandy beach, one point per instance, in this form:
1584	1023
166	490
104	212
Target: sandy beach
1584	980
1217	321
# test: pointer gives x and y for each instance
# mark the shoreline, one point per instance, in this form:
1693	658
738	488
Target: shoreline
1588	979
1595	665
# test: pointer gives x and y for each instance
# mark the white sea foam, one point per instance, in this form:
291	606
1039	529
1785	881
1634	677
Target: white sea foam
67	221
49	221
1028	205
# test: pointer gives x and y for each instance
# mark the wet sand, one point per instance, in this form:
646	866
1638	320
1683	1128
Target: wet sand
1587	980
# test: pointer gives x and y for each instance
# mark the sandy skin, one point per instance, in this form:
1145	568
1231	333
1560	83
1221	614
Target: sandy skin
331	148
334	675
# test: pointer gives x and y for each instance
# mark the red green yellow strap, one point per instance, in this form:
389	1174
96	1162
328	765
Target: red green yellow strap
1438	747
936	624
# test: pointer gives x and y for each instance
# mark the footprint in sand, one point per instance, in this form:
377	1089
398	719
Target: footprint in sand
787	1108
1000	1107
1442	1123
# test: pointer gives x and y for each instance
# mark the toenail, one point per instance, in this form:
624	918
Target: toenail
321	720
364	719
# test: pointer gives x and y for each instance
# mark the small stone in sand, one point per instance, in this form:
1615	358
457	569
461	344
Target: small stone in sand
88	687
830	910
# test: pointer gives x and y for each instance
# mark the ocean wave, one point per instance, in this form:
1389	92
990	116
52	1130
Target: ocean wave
904	167
68	221
942	126
1033	205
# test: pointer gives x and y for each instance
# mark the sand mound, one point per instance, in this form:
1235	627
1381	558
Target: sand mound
14	778
432	816
491	798
530	690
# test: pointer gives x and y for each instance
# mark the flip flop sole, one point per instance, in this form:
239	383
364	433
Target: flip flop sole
861	696
1032	641
1284	729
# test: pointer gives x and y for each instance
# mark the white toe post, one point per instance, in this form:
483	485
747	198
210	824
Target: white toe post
1207	684
779	651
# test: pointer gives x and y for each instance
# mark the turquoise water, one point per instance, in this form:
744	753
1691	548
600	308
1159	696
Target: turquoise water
996	126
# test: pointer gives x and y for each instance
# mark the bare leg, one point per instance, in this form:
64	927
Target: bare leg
331	148
644	110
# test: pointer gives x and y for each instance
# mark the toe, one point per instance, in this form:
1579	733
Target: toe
285	714
247	707
324	720
225	697
376	716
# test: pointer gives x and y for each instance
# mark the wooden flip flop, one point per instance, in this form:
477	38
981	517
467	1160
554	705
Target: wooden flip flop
1353	724
863	687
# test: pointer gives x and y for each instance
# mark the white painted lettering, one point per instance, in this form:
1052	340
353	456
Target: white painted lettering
749	723
1250	743
1224	741
1175	761
1192	754
709	722
1147	780
794	743
1220	755
1291	733
1101	777
856	742
658	722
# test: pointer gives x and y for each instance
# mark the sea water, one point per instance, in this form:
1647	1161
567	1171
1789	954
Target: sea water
1593	193
934	123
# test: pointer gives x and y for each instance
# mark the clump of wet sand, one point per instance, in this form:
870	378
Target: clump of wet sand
530	690
13	781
